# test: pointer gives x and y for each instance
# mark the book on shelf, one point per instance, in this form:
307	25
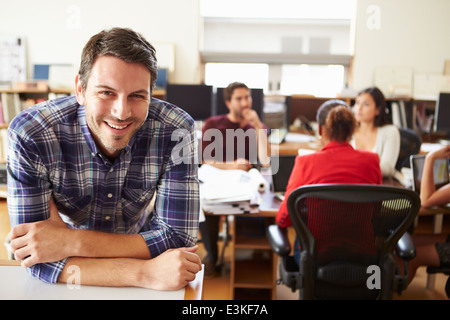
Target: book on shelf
11	105
3	145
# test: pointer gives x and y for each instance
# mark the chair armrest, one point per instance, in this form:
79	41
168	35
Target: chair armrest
405	248
279	241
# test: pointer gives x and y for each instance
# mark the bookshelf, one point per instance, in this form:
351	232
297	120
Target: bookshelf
13	101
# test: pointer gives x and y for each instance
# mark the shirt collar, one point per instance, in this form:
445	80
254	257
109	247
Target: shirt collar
334	144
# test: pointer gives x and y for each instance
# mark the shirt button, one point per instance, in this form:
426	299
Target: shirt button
93	154
107	218
110	195
111	170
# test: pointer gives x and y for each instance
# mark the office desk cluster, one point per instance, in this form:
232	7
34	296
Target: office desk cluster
253	264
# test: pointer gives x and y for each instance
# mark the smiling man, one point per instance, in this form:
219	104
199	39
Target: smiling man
83	170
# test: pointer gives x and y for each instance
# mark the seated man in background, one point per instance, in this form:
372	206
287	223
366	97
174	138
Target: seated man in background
82	171
237	140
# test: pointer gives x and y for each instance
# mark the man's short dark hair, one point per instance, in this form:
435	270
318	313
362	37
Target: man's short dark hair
121	43
228	91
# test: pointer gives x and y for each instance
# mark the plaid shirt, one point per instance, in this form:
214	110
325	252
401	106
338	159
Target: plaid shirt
52	153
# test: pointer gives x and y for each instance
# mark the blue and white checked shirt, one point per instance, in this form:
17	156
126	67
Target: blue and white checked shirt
52	153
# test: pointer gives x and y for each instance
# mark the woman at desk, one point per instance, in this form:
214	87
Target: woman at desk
336	162
432	250
374	132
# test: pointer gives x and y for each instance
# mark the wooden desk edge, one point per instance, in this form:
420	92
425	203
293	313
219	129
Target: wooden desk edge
4	262
432	211
193	291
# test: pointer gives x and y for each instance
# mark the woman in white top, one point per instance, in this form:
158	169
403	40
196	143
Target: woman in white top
374	131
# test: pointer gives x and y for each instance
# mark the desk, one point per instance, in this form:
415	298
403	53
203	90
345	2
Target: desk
253	263
16	283
292	147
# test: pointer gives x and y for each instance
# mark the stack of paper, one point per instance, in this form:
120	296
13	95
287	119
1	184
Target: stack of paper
230	191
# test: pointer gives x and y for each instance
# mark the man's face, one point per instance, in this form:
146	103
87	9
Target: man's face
116	100
241	100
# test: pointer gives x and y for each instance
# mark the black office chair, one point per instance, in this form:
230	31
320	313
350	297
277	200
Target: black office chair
410	143
343	230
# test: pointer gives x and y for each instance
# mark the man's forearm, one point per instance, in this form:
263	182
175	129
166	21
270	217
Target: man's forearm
171	270
112	272
97	244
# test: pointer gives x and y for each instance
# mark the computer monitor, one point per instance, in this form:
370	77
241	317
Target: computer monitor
257	102
442	114
440	171
281	166
303	108
197	100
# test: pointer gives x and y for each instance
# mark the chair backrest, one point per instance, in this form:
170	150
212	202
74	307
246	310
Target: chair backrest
410	143
342	230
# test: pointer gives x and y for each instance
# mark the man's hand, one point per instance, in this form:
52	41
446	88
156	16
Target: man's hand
42	241
252	118
171	270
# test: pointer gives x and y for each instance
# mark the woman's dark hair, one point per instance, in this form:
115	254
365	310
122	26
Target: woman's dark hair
121	43
382	118
337	120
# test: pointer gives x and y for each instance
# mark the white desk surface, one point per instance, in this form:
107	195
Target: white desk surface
16	284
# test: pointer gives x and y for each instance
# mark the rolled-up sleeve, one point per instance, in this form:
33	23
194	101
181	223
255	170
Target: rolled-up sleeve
175	217
29	193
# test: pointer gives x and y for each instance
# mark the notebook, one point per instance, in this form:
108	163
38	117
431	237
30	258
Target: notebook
281	167
440	171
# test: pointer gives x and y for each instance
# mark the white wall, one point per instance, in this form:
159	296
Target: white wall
411	33
56	31
241	35
408	33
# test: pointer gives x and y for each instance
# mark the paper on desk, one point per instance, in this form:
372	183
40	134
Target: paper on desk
429	147
229	185
299	137
404	177
238	207
230	191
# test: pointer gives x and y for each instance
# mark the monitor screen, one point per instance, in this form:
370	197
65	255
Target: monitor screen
257	102
196	100
442	114
440	171
281	166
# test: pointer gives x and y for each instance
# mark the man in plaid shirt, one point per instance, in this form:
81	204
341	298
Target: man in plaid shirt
83	170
